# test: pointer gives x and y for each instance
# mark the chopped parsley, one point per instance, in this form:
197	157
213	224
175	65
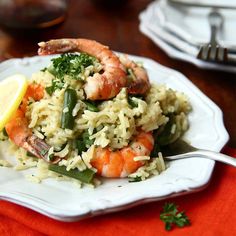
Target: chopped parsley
171	216
71	65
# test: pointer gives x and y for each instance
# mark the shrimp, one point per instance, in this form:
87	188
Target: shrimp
19	132
121	163
140	84
99	86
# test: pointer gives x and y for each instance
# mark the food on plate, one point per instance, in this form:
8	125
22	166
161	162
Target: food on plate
12	91
94	113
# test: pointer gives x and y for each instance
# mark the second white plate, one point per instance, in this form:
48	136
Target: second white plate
192	24
172	45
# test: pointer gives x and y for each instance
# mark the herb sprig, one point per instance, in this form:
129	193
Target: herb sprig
171	216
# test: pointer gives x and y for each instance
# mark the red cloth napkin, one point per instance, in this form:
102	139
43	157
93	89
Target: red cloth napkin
211	211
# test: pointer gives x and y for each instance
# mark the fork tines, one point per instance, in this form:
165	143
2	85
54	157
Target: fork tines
213	53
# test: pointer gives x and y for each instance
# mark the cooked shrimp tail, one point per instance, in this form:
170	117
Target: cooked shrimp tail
40	149
100	86
19	132
122	162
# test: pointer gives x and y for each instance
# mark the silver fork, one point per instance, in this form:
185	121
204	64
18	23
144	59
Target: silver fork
212	51
182	150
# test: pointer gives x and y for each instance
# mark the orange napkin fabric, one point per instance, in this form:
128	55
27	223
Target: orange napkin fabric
211	211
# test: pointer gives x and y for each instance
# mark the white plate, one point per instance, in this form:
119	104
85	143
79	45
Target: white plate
172	45
212	3
192	25
65	202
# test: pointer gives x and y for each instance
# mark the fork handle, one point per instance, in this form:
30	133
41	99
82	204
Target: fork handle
206	154
213	35
215	20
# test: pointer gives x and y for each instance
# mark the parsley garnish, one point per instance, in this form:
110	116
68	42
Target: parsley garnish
72	65
171	216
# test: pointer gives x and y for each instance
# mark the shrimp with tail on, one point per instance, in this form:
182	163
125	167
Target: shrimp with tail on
19	132
113	78
99	86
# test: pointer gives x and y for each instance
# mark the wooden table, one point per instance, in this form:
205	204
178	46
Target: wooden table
116	25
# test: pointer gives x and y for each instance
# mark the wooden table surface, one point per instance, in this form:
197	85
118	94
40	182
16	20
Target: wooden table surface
117	26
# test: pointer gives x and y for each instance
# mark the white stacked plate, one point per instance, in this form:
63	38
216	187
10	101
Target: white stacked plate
181	30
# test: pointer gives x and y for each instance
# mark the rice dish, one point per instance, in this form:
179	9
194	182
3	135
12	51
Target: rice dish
105	124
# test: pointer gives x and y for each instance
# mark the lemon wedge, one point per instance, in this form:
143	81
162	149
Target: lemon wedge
12	91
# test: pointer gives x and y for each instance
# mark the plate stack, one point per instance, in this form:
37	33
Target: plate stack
180	30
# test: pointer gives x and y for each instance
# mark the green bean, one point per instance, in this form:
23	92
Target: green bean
166	136
162	137
84	176
70	99
91	106
155	149
80	146
29	154
83	142
88	142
